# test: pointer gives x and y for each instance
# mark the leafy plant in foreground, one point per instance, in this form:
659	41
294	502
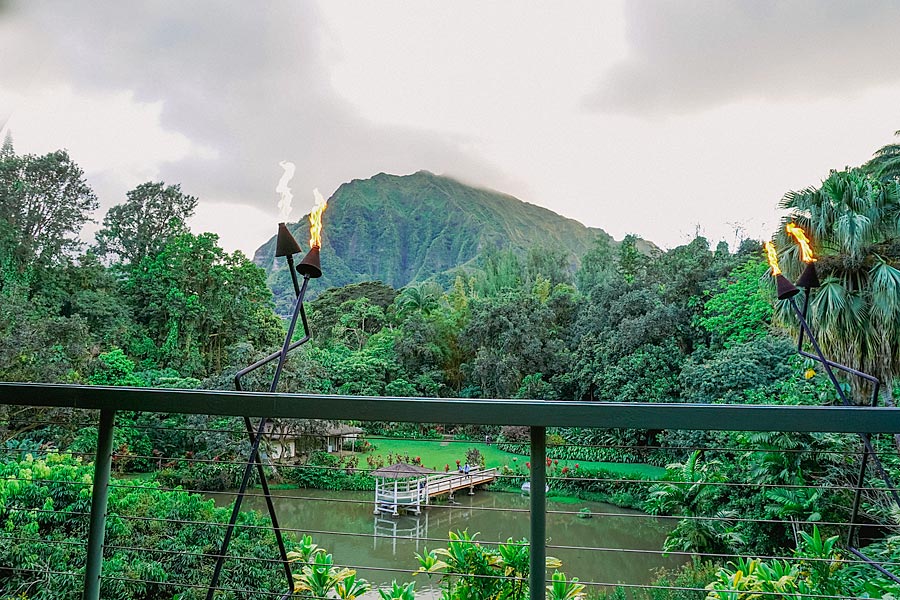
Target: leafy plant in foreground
812	574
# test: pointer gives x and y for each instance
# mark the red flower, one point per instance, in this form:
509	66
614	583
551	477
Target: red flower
555	462
528	465
565	470
576	465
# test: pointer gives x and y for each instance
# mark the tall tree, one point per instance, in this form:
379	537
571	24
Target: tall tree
597	265
197	300
853	219
631	263
739	309
7	150
885	165
423	297
44	202
509	336
152	215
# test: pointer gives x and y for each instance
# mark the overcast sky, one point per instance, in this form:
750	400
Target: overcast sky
648	117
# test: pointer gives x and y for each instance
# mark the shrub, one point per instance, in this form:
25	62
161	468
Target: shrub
46	501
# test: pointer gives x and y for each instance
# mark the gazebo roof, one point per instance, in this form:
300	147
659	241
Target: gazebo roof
343	429
402	471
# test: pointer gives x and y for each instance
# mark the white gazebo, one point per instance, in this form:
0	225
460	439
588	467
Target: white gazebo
401	486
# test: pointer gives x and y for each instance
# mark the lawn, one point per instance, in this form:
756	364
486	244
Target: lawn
437	453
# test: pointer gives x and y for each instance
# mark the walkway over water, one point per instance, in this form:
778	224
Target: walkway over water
413	493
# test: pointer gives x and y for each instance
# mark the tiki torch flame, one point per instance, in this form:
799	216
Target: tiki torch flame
773	258
315	220
806	253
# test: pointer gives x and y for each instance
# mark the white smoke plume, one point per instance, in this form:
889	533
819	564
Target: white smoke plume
284	203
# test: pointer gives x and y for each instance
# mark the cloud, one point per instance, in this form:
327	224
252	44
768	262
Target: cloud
249	85
691	55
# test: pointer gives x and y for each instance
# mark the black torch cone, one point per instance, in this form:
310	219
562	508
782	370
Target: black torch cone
785	288
285	244
310	266
809	278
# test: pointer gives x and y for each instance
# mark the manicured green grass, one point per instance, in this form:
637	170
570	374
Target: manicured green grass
437	453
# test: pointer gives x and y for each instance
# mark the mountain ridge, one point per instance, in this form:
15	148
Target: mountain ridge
403	229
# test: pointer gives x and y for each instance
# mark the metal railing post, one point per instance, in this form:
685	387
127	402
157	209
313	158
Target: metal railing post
537	575
99	497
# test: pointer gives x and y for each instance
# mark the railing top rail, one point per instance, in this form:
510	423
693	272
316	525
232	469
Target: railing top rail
446	410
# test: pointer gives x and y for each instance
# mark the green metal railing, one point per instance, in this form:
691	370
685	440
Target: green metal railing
535	414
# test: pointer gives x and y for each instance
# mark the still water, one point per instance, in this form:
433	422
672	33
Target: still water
383	548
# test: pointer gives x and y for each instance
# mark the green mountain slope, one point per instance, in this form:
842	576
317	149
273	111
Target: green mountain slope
405	229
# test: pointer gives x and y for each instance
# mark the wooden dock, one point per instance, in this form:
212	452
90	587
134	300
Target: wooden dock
414	493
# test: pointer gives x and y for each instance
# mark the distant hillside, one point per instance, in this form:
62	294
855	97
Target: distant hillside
404	229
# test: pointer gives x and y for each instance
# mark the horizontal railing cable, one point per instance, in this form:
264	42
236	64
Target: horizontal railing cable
458	507
774	594
725	484
664	553
634	515
500	475
675	588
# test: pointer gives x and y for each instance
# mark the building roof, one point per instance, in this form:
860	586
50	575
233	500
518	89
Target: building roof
342	429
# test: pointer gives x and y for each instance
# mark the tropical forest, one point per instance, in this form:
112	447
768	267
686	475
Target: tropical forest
432	288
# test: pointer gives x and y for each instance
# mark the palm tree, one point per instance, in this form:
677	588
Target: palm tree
885	165
853	219
424	297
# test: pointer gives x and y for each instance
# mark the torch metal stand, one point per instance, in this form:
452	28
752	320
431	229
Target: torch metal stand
287	246
868	450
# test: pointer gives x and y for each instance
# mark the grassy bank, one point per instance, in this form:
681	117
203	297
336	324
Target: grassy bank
436	454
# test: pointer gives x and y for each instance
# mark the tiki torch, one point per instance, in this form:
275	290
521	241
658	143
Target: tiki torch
310	268
809	279
786	291
783	287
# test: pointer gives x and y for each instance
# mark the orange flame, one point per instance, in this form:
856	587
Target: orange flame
806	253
773	258
315	220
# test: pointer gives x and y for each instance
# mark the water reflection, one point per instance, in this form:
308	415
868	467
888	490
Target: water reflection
403	527
384	548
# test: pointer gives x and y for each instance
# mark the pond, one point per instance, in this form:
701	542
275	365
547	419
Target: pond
383	548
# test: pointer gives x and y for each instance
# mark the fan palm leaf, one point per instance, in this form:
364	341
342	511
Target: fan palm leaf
885	164
853	220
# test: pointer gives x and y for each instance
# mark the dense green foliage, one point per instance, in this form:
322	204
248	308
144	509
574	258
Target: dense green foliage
44	502
152	216
44	201
488	298
465	570
854	222
172	300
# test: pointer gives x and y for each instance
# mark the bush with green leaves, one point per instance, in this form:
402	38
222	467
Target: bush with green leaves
687	582
44	507
814	572
467	570
319	578
329	472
